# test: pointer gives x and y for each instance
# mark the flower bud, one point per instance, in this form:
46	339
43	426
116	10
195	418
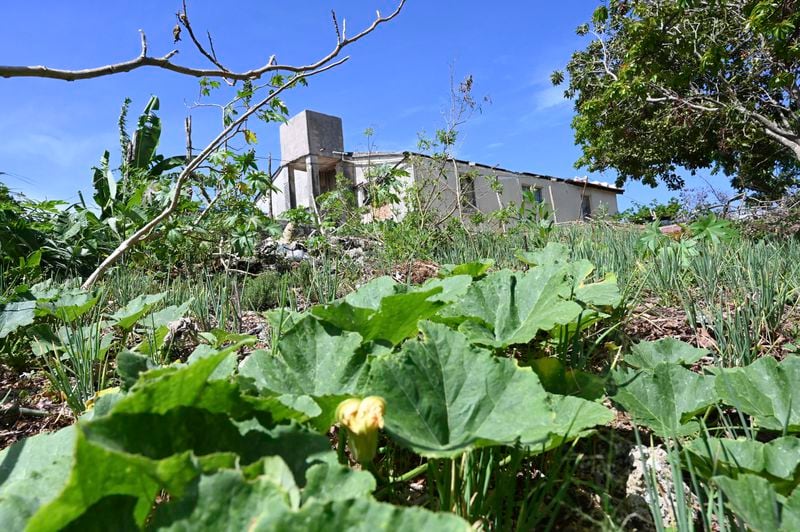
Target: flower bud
362	418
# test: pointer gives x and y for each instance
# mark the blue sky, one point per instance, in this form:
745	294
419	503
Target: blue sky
396	82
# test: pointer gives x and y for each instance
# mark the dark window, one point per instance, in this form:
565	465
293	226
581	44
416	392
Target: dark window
467	185
536	191
327	180
586	207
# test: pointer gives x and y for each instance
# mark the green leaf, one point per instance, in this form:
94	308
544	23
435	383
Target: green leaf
160	436
665	399
219	337
505	308
444	396
32	472
476	269
223	501
126	317
15	315
552	253
71	305
559	380
313	358
713	230
766	390
754	500
777	459
372	293
603	293
453	288
328	481
376	313
166	315
228	365
99	472
362	515
647	355
103	181
130	365
146	137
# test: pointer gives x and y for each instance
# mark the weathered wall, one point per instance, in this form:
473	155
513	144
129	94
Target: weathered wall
566	197
440	194
357	170
311	133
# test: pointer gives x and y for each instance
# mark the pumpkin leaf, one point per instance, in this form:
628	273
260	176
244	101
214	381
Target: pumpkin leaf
444	396
665	399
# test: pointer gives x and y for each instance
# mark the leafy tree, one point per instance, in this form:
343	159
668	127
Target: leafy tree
640	214
699	84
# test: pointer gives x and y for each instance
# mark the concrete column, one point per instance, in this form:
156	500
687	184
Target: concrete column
312	173
290	196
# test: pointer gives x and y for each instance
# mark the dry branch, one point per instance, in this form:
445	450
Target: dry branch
144	60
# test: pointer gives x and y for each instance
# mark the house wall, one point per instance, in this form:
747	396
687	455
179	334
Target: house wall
564	197
440	194
358	170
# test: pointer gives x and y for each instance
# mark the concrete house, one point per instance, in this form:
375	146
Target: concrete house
312	154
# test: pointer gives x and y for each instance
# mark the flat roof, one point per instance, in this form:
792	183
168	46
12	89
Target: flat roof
573	181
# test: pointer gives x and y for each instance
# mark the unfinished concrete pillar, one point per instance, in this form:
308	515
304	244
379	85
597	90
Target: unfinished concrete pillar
290	196
312	176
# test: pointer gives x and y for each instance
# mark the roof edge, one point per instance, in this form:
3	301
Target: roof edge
571	181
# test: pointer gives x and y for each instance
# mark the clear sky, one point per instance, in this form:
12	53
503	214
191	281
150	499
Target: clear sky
396	82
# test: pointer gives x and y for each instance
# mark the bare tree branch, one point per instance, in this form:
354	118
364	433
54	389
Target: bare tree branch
183	20
144	60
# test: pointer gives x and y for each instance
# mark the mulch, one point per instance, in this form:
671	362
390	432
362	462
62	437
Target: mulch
29	406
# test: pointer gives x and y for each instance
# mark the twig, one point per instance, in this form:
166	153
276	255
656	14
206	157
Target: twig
183	20
143	60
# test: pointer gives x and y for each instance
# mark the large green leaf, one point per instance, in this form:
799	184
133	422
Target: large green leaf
552	253
99	472
444	396
647	355
556	378
777	459
222	501
766	390
754	500
359	515
313	358
476	269
15	315
666	398
506	308
146	136
126	317
453	287
70	305
603	293
228	499
32	472
380	311
105	186
164	433
372	293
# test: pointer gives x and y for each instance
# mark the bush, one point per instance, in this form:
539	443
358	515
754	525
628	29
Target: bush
261	292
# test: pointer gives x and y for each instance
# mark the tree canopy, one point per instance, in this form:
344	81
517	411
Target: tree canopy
698	84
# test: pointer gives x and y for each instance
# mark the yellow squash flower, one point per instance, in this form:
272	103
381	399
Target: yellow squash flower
362	418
